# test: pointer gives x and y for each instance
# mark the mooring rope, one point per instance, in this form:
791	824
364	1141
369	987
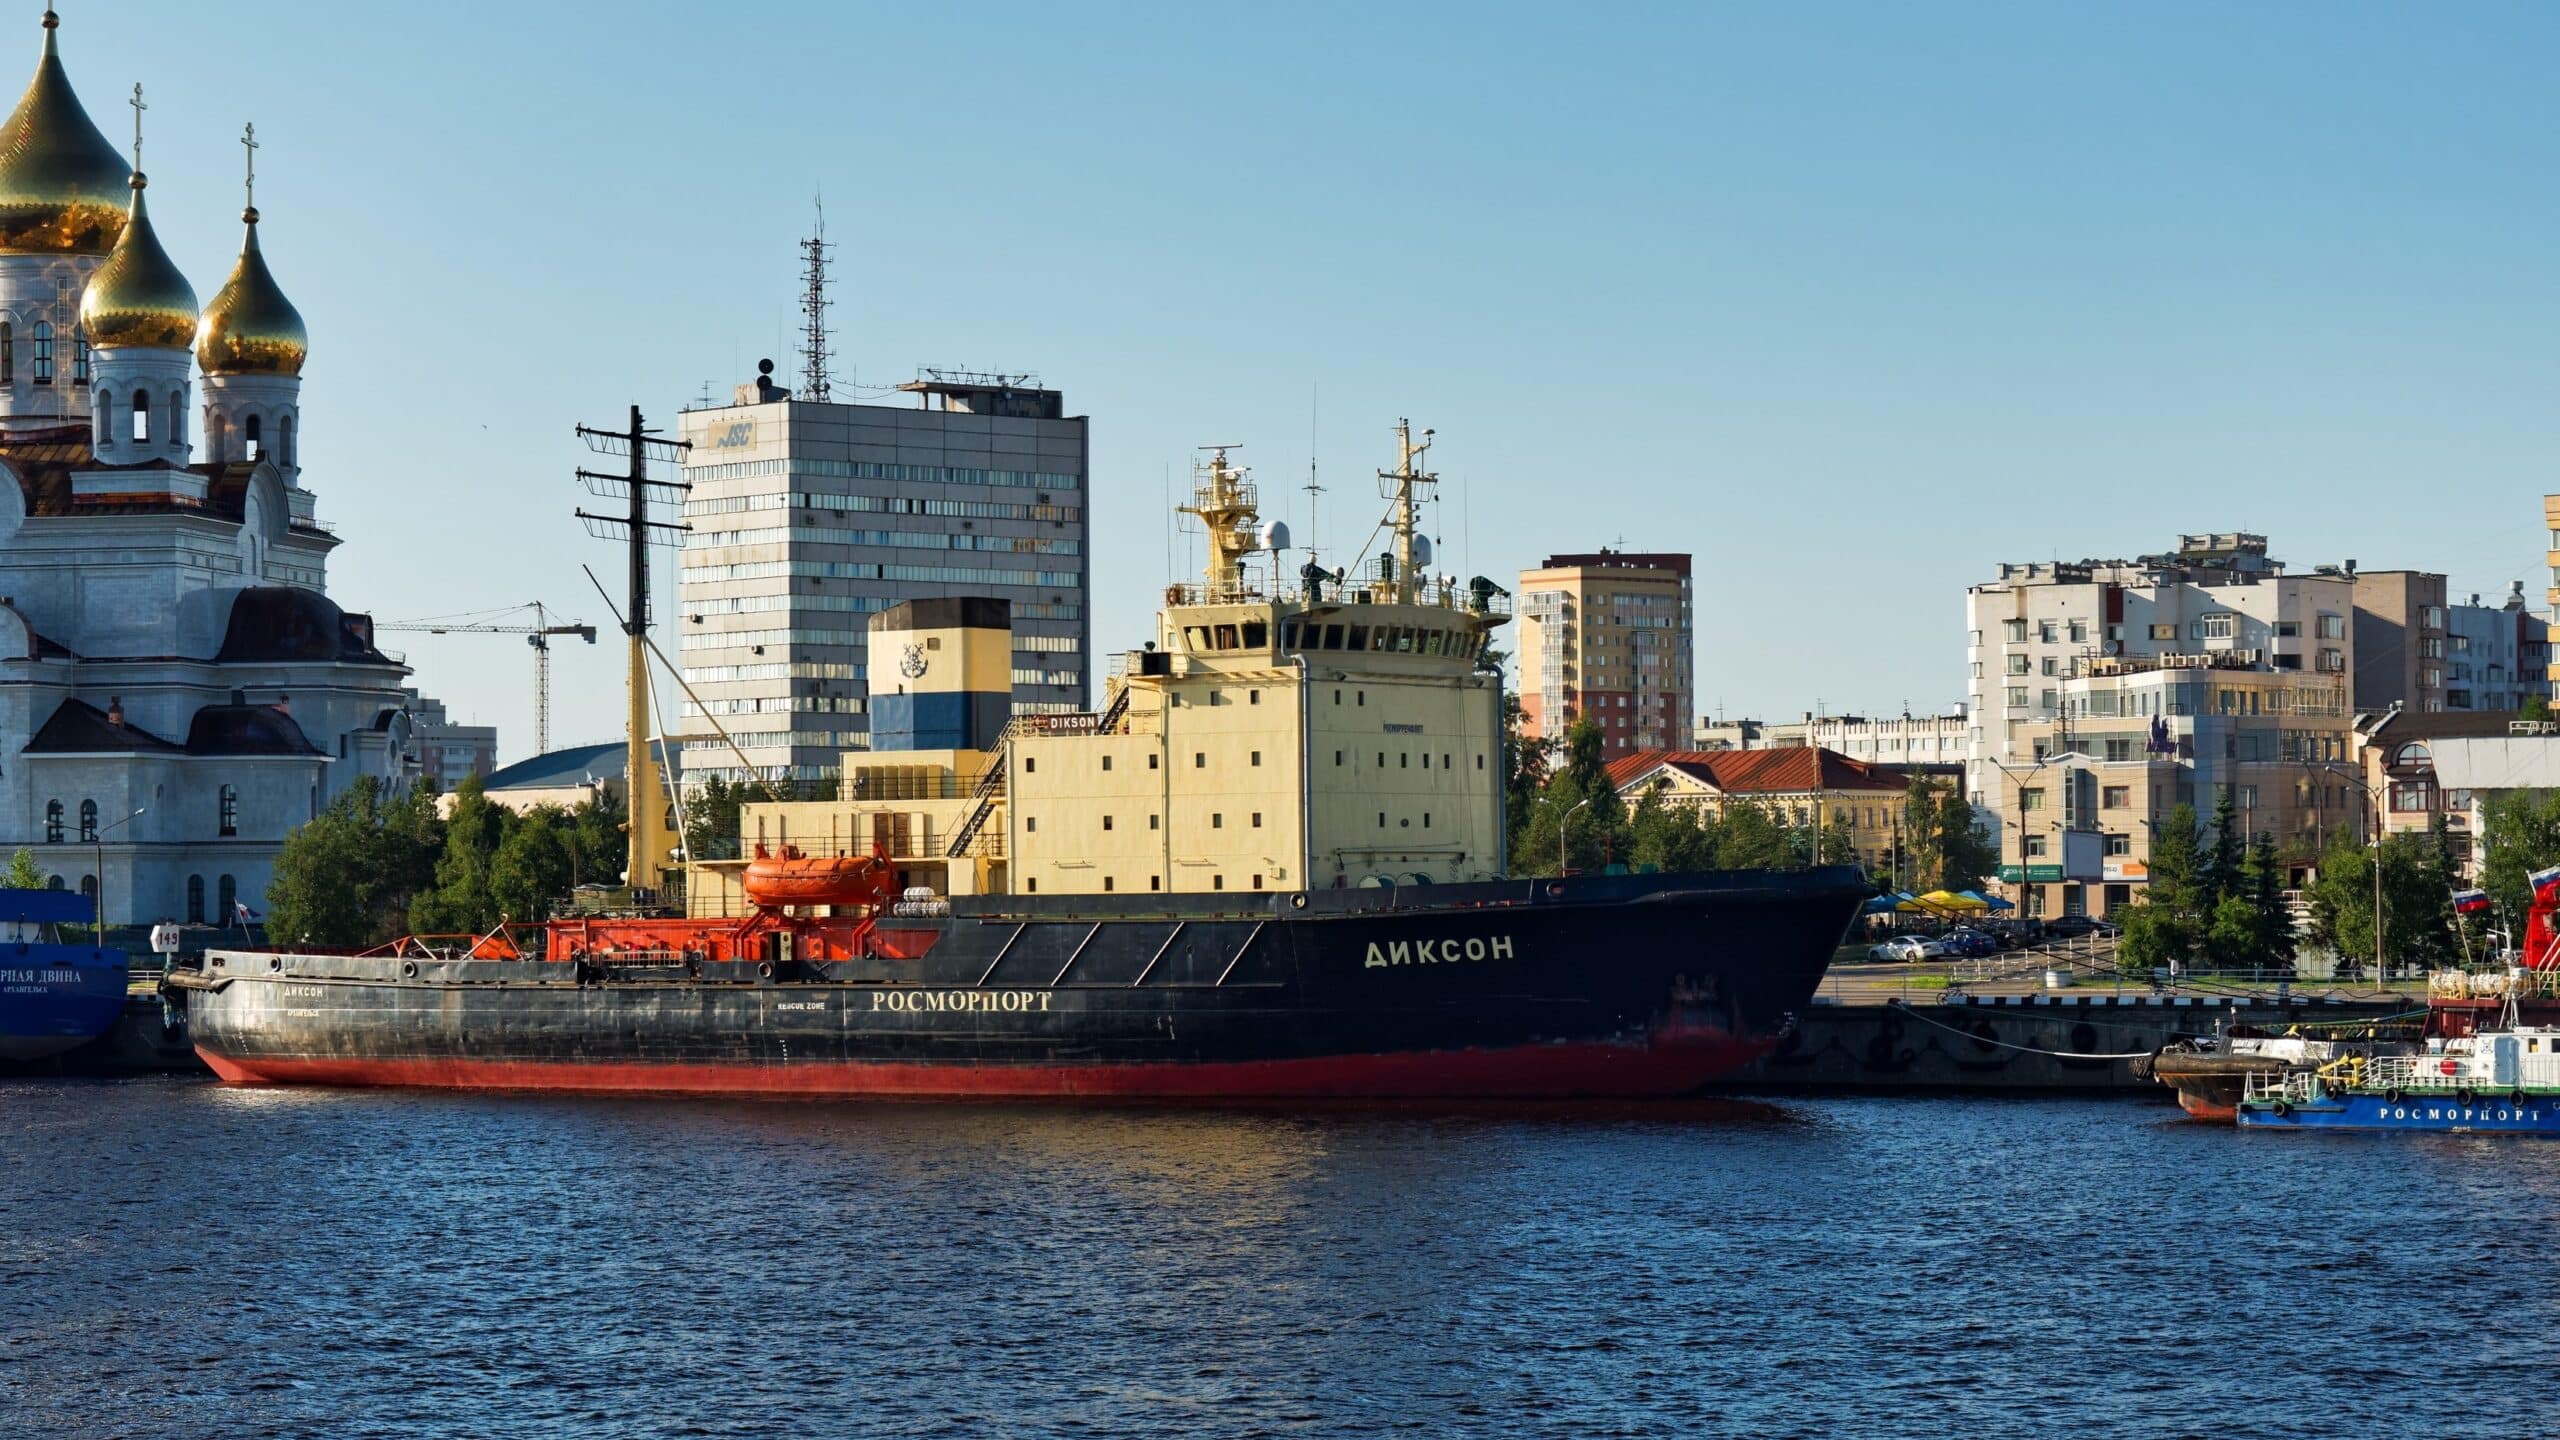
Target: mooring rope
2030	1049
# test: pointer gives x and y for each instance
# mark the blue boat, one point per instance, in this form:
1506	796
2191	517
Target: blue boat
53	996
2502	1081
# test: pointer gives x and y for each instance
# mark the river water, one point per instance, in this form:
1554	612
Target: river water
183	1259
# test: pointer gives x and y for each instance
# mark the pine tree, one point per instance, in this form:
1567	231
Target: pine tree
2220	873
2177	865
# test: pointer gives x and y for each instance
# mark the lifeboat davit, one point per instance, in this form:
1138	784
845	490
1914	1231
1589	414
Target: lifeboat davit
791	878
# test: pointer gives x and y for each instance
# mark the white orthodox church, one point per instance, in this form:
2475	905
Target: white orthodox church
166	645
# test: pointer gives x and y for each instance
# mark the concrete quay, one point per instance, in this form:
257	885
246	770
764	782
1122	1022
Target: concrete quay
2058	1043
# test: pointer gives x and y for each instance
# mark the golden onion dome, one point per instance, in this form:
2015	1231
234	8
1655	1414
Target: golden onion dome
62	186
251	329
138	297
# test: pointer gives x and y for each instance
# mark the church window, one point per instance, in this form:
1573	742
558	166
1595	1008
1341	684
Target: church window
249	438
105	417
8	352
228	894
177	417
89	888
53	822
195	899
88	819
43	336
230	801
53	882
141	418
79	356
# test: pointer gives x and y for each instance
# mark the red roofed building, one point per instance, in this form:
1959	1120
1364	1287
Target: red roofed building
1800	785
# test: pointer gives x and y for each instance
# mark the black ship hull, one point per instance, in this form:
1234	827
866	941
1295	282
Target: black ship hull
1593	986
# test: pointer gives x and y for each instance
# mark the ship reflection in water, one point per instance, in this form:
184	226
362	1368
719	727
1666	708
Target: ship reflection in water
189	1259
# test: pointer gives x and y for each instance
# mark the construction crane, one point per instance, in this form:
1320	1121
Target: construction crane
538	635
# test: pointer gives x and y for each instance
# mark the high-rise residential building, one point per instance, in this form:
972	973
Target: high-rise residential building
448	753
2218	599
2551	597
809	517
1608	635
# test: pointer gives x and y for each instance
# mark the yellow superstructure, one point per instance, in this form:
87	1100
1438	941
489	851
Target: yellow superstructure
1339	732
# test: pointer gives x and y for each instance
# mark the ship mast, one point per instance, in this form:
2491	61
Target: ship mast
646	797
1404	478
1225	502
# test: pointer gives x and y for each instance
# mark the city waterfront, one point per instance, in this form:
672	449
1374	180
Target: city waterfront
190	1259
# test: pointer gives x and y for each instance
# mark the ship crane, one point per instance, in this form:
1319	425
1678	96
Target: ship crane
538	635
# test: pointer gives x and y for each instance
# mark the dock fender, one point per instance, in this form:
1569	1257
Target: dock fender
2467	1095
2283	1110
2394	1095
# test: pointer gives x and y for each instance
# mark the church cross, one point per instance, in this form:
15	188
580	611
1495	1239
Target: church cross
249	147
138	108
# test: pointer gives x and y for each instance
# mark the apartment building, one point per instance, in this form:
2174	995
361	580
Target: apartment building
2039	625
1609	635
2132	738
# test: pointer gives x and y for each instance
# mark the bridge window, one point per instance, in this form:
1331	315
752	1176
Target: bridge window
1106	822
1106	882
1155	882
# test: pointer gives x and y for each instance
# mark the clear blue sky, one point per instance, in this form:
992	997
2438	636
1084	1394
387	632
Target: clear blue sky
1851	301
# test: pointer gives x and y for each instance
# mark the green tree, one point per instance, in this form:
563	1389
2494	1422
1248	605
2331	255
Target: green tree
1594	833
2178	864
461	900
2521	832
531	868
1524	770
710	821
1748	837
2155	936
23	873
600	843
1839	842
1667	836
2262	883
2535	708
347	876
1967	858
2342	908
2220	874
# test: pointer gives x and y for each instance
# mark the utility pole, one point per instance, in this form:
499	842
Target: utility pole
647	799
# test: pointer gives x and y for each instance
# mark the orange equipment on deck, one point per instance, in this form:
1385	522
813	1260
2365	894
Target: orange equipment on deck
791	878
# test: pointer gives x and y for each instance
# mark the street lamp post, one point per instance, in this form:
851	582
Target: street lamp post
1563	827
98	840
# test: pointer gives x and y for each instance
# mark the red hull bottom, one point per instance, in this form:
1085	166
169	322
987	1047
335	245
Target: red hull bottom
2203	1109
1576	1071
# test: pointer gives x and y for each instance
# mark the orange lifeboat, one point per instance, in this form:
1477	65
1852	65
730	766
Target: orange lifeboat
791	878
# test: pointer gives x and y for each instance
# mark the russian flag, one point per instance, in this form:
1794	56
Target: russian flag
2470	902
2546	884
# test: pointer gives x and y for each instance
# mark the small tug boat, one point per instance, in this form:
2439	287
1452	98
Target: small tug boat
2212	1073
2503	1080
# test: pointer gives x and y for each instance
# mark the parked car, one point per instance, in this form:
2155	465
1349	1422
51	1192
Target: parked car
1900	947
1970	944
2068	925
